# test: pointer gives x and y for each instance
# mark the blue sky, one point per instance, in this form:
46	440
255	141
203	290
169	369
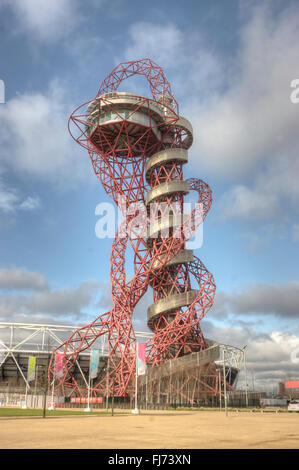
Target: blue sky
230	65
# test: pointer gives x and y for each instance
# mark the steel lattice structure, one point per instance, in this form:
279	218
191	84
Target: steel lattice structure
138	147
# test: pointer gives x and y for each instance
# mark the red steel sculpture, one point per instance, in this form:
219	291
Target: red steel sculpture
138	147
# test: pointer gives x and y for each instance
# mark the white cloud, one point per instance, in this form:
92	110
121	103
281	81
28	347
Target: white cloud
245	126
34	137
30	204
278	182
44	304
21	278
278	299
295	232
182	56
11	201
140	312
161	44
268	355
240	201
8	199
253	119
250	130
256	240
48	21
271	358
64	301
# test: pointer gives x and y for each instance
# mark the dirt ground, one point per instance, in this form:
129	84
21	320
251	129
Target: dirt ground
154	430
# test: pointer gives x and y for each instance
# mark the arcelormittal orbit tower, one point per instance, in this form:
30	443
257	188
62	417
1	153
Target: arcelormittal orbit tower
138	147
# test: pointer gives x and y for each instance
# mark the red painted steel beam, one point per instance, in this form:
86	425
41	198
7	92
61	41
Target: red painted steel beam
120	140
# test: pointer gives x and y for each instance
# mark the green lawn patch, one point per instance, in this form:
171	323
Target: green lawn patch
19	412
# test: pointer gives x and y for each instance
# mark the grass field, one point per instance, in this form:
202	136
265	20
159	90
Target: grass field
29	412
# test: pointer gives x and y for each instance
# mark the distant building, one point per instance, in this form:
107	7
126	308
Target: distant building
289	389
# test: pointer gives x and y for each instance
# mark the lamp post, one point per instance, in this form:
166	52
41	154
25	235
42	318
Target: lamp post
219	379
224	382
35	387
88	409
136	410
52	407
246	385
107	386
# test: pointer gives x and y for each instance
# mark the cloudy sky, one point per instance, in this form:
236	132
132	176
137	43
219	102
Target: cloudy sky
230	65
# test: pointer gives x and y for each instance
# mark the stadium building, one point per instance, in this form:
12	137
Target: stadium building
20	341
